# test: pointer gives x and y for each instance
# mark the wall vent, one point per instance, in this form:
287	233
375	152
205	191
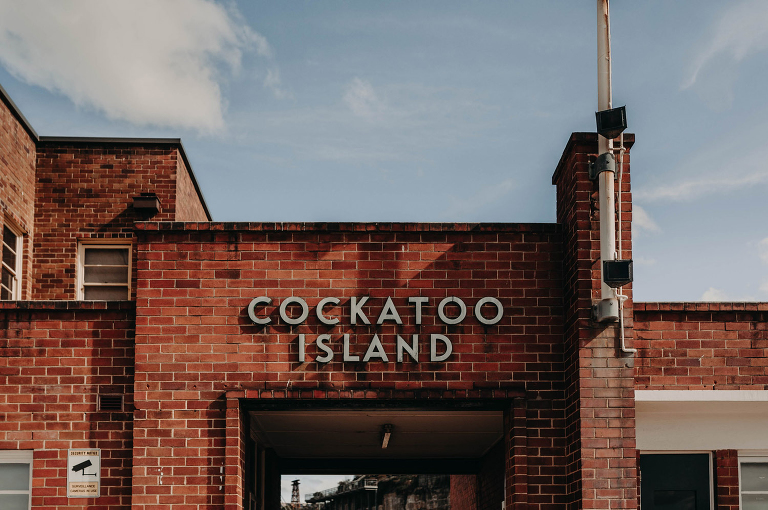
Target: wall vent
110	402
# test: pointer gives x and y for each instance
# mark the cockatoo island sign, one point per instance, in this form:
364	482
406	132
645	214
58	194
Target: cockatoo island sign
388	314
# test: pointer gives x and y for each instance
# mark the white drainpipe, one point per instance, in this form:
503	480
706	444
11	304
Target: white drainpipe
608	308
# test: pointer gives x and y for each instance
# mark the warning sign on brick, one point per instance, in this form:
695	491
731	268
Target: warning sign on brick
83	473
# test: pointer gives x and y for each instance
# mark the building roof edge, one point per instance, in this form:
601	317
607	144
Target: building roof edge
584	137
16	112
136	141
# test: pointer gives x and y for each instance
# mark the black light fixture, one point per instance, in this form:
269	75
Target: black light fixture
146	204
611	123
617	273
386	434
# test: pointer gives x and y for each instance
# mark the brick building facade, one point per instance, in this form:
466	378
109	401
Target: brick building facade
203	359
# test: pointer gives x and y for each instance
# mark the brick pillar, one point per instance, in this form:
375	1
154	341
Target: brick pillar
600	434
235	453
726	480
516	444
463	492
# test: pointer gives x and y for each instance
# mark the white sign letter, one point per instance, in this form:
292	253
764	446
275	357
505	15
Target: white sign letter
252	312
347	355
412	350
284	306
433	347
328	356
499	311
459	303
418	301
375	350
389	313
356	309
319	310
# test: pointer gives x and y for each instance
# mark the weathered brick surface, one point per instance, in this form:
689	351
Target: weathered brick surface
17	183
490	479
189	206
55	359
720	346
195	341
726	480
600	395
85	190
463	495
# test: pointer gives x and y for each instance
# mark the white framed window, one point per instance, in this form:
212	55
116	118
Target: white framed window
104	271
15	479
11	265
753	483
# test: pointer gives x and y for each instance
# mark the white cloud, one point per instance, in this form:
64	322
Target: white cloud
740	32
642	221
360	97
713	294
144	61
644	261
406	122
466	207
698	186
273	82
762	248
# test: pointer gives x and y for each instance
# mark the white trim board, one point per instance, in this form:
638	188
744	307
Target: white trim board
701	396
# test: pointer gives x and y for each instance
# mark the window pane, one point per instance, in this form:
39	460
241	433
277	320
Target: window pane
7	278
754	476
9	257
9	237
105	293
5	294
14	477
14	501
106	256
674	500
106	274
754	501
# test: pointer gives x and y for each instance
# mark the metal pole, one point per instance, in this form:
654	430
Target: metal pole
606	179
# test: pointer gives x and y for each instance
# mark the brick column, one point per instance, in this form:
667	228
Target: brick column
600	435
516	443
235	453
726	480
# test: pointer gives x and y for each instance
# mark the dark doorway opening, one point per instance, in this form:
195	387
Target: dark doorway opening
675	481
448	455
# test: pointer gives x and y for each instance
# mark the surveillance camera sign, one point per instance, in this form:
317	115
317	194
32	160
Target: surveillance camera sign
83	473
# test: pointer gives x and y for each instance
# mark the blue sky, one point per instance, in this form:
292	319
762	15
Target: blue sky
426	111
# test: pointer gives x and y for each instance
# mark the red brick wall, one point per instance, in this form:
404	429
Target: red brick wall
720	346
484	490
189	205
463	495
85	191
17	184
490	479
55	359
600	396
727	480
195	341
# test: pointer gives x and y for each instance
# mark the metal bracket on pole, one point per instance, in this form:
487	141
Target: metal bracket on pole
604	163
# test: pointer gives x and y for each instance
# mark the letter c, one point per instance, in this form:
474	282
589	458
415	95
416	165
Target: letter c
252	313
319	309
